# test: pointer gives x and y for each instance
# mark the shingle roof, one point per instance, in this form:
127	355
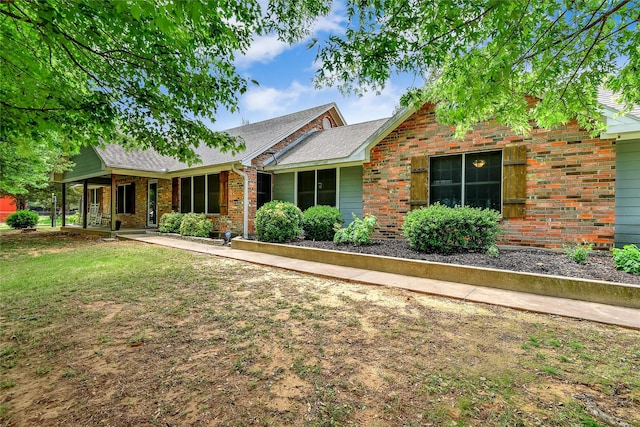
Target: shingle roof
116	156
608	98
330	144
258	137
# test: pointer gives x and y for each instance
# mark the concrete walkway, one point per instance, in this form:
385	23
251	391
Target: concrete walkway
621	316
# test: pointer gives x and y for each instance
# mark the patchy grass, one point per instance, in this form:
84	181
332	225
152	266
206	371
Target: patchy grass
122	333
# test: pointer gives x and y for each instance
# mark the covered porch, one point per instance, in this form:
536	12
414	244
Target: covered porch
119	203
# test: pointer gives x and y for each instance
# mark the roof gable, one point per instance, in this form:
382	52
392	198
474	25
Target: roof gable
340	144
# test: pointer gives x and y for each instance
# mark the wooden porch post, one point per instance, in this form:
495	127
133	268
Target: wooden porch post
85	193
114	194
64	204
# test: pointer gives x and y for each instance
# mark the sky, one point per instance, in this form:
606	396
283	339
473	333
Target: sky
285	74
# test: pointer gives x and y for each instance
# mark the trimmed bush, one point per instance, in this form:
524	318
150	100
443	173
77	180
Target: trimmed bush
195	225
278	221
320	222
23	219
359	232
446	230
627	259
170	222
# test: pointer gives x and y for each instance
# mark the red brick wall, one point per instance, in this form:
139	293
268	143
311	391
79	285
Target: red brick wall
570	179
139	218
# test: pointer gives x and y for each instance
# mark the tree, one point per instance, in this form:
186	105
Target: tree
26	168
93	71
480	59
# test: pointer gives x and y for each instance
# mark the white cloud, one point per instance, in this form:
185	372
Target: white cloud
263	49
263	103
271	102
371	106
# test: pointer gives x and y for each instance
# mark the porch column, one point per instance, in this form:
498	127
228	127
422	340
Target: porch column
114	194
64	203
85	193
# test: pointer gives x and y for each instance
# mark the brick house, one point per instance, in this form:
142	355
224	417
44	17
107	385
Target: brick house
134	188
553	187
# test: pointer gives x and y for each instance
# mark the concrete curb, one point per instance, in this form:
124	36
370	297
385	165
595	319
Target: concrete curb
618	294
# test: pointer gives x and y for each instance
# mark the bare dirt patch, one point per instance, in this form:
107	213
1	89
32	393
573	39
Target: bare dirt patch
208	341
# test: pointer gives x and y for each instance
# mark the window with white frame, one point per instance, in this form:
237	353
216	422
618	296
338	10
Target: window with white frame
317	187
468	179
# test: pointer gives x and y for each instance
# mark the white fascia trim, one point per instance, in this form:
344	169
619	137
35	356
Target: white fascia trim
301	167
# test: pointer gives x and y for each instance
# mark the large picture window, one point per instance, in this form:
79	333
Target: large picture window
200	194
317	188
126	199
470	179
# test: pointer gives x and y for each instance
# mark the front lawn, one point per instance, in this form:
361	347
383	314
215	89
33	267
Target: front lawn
123	333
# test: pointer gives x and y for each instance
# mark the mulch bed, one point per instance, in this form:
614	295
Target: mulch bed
599	266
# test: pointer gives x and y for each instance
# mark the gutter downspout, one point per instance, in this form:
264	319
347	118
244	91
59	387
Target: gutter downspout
245	208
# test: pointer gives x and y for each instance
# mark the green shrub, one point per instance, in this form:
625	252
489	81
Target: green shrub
195	225
579	253
446	230
170	222
359	232
278	221
627	259
493	251
320	222
23	219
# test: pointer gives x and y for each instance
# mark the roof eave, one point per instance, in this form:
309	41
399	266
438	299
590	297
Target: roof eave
620	126
353	159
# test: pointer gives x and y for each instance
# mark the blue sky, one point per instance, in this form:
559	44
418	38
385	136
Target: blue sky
285	75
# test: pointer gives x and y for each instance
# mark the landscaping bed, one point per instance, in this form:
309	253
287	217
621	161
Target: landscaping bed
599	266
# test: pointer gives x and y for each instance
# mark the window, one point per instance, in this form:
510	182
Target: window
471	179
327	187
306	189
201	194
264	189
94	195
198	194
185	195
317	188
126	199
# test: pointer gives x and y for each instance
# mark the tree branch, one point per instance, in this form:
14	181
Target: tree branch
584	58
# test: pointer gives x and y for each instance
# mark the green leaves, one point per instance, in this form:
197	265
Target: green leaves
480	60
155	70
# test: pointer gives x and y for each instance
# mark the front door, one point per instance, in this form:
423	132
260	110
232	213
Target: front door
152	204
